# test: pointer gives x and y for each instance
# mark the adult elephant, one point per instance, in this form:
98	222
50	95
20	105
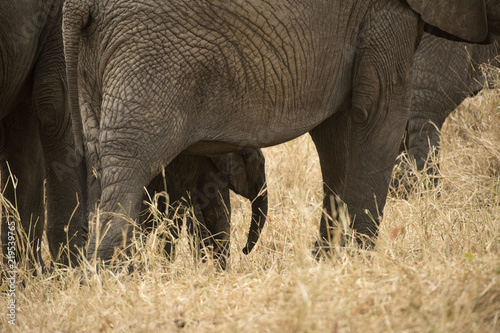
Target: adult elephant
208	77
445	73
37	142
203	183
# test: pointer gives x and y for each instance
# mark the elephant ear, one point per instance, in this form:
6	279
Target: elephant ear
465	19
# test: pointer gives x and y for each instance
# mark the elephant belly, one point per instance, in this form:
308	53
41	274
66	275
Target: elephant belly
210	148
250	132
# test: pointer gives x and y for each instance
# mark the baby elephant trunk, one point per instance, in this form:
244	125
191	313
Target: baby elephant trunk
259	213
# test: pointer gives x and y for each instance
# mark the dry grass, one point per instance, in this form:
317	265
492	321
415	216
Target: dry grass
436	268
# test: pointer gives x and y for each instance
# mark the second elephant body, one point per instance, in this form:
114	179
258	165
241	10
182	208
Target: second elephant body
41	175
445	73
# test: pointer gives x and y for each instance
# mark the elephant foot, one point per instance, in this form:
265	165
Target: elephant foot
406	182
408	178
321	250
324	249
210	252
110	257
10	281
220	260
66	258
403	182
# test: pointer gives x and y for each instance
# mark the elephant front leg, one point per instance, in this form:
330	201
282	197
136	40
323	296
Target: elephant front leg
366	133
430	106
378	115
356	162
200	241
372	153
217	217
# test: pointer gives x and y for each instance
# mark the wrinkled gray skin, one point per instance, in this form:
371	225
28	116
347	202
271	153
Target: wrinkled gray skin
204	184
209	77
36	141
445	74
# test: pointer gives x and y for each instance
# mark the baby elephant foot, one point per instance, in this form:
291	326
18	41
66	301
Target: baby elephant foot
324	249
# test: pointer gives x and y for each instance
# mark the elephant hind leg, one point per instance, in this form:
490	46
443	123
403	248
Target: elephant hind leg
65	170
120	206
22	159
65	173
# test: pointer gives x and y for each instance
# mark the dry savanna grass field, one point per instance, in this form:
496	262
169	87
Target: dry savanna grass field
436	267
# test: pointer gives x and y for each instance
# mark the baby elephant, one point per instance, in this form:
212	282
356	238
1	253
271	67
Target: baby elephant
204	183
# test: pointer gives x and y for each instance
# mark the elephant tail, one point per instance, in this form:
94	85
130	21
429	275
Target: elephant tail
76	15
259	213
